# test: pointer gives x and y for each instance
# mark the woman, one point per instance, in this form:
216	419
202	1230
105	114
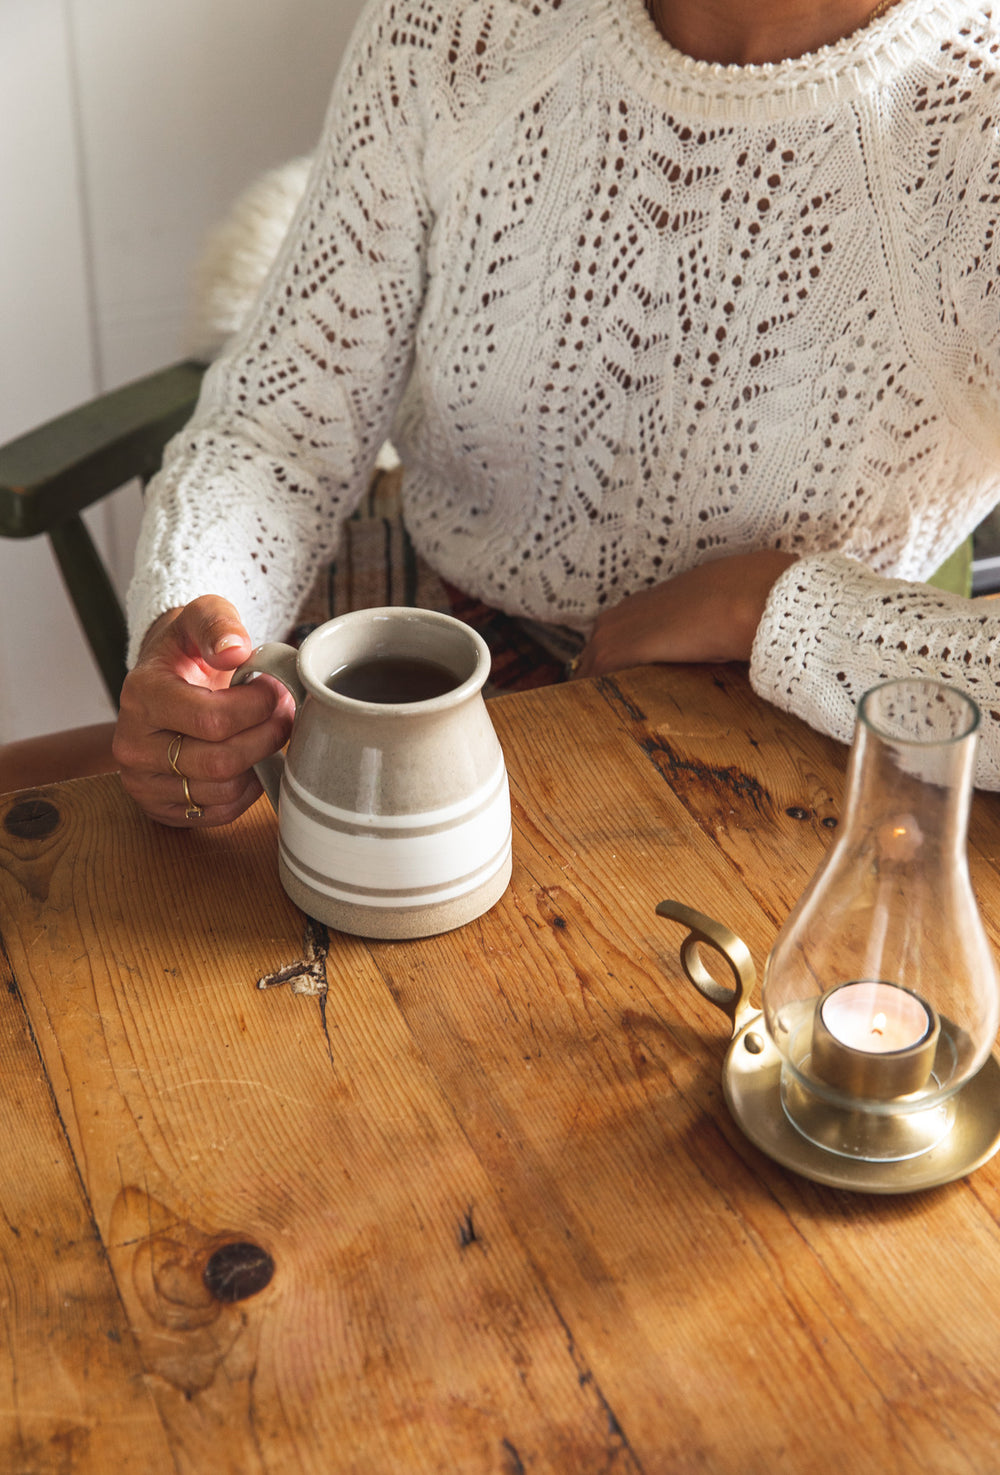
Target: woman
684	322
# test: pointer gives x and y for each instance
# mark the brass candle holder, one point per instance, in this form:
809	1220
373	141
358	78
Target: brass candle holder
917	1149
869	1064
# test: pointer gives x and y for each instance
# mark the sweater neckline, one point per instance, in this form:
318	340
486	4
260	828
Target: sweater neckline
849	68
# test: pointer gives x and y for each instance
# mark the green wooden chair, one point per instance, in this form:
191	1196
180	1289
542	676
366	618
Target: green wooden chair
48	478
51	475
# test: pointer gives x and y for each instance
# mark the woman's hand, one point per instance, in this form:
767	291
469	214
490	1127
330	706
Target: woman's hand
709	613
180	687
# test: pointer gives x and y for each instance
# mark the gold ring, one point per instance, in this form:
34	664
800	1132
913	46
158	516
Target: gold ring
572	665
193	811
174	751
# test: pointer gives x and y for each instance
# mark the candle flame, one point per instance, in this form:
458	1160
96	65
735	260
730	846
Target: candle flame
878	1024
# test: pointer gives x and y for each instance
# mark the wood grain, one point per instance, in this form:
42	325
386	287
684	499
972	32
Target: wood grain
512	1225
72	1393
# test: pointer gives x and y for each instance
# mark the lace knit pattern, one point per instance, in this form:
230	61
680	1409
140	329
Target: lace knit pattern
623	312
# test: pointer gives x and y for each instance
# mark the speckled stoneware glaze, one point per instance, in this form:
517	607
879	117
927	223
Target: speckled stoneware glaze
393	818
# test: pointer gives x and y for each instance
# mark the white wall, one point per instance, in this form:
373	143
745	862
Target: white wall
126	129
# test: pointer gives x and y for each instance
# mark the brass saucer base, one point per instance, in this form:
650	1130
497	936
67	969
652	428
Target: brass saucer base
751	1080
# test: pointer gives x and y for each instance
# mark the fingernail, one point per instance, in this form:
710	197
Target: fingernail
226	643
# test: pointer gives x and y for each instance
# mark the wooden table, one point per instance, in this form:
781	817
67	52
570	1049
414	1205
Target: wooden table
511	1225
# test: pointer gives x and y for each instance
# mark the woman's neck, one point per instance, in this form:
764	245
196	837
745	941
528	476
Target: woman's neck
748	32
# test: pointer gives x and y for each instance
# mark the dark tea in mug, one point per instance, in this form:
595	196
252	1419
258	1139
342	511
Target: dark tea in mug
393	679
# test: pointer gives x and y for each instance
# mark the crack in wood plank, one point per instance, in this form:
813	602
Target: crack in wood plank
307	975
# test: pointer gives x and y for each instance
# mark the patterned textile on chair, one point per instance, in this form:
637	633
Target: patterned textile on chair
378	565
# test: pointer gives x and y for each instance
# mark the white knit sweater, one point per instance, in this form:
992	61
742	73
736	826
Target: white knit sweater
623	312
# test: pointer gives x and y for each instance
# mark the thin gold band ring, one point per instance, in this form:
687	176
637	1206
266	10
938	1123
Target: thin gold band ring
193	811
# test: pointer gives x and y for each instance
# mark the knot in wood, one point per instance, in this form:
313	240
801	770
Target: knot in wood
31	819
238	1270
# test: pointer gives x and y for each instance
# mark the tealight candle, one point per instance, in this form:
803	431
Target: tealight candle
874	1039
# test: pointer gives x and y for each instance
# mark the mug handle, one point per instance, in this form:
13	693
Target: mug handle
281	662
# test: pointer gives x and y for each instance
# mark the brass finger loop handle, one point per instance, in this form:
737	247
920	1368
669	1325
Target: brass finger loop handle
734	1002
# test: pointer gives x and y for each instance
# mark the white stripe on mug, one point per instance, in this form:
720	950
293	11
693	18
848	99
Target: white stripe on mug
406	897
379	860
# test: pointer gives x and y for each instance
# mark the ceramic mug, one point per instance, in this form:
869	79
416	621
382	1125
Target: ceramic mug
393	812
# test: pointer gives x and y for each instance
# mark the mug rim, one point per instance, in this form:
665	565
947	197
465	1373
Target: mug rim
404	614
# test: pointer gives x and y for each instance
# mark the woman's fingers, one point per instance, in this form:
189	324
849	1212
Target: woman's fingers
218	804
180	688
252	716
218	770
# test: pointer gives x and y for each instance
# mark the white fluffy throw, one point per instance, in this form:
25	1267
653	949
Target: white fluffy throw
236	259
238	255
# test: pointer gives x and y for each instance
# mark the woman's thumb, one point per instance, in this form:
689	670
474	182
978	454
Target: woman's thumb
214	628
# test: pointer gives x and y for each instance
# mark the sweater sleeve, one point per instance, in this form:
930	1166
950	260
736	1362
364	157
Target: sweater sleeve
832	629
252	493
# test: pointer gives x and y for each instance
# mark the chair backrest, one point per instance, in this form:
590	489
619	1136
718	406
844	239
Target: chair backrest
49	476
